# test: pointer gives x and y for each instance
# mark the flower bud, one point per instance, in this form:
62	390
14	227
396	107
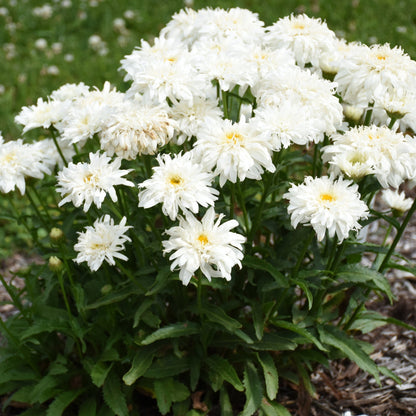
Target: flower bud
106	289
56	235
55	264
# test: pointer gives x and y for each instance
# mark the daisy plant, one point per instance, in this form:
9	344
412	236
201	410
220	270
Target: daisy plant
204	234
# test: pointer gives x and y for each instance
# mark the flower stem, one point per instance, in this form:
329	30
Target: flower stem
399	234
306	245
58	148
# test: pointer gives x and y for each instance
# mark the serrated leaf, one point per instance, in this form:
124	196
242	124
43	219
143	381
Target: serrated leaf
258	320
99	372
114	396
336	338
168	391
225	404
61	402
88	407
225	370
299	330
271	376
179	329
260	264
360	274
253	390
218	315
167	366
141	362
162	279
274	409
115	296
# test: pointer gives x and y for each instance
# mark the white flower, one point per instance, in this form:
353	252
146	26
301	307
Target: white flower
396	200
135	129
307	37
369	72
236	150
19	160
177	183
43	114
326	204
206	245
100	242
389	155
87	183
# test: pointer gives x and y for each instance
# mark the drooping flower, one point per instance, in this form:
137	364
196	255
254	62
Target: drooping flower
177	183
396	200
87	183
102	242
327	205
207	245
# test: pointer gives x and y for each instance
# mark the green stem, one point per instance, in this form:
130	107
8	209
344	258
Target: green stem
224	97
243	207
130	276
392	121
306	245
398	236
58	148
42	220
368	114
41	201
378	259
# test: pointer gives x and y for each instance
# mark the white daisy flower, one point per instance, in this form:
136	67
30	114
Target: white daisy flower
87	183
235	150
307	37
177	183
102	242
19	160
396	200
207	245
136	130
326	205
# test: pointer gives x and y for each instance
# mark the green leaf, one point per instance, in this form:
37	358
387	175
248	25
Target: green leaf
222	368
225	404
142	308
335	337
271	376
179	329
168	391
61	402
253	389
88	407
258	320
44	325
114	396
274	342
260	264
115	296
360	274
141	362
162	279
274	409
99	372
167	366
299	330
216	314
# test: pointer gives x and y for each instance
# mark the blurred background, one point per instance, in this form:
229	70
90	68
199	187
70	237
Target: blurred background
46	44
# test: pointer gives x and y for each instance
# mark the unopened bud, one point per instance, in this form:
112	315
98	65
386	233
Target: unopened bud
56	234
55	264
106	289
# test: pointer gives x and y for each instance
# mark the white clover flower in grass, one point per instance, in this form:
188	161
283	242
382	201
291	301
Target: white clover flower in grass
327	205
87	183
234	150
396	200
207	245
20	160
102	242
177	183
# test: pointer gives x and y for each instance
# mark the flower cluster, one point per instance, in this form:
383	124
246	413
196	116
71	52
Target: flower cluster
215	102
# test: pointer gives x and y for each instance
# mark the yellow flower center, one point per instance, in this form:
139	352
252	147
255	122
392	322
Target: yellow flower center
203	239
88	178
299	26
327	197
175	180
234	137
9	157
381	57
99	246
